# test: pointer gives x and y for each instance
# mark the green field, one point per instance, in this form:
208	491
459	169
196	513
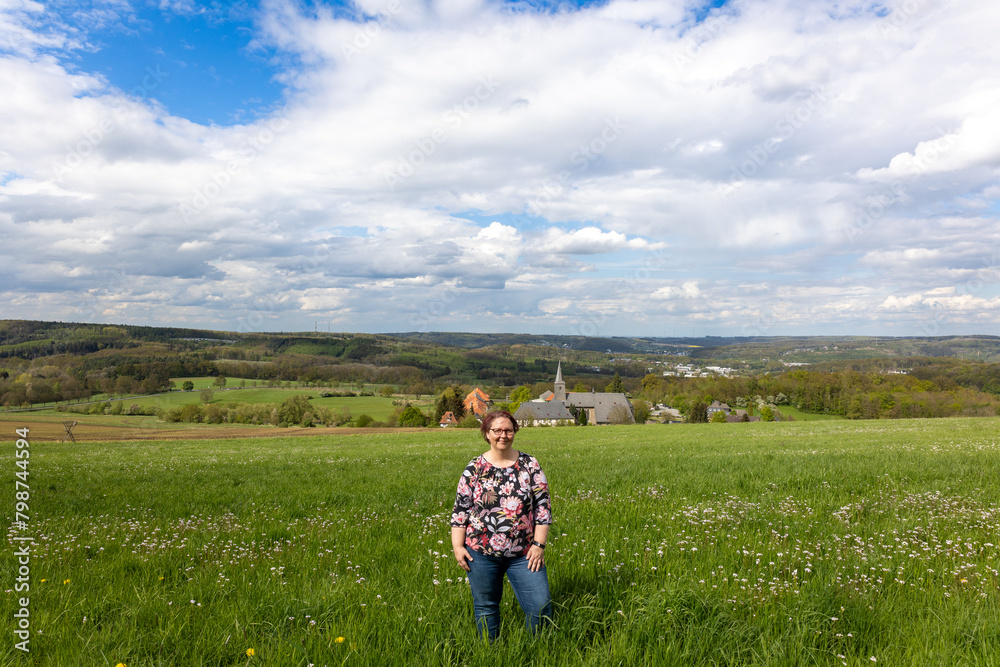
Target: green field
826	543
378	407
799	415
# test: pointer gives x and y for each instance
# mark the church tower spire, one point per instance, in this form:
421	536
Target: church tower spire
560	387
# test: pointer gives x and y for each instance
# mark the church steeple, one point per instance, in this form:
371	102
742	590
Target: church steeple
560	387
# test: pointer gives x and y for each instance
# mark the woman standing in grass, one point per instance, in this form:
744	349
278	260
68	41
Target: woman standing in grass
500	525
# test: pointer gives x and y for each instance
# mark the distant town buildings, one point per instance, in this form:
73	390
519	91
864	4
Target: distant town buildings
691	371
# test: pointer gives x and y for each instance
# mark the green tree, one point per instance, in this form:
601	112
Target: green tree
220	382
641	410
364	421
192	412
766	414
616	386
419	388
652	387
620	414
718	417
124	385
469	421
207	395
412	416
450	399
188	385
293	409
698	413
518	396
343	416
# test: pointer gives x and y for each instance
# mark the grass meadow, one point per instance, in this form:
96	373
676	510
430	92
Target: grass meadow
819	543
378	407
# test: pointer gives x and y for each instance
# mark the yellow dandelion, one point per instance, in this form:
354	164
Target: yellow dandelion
120	664
339	640
251	653
965	581
44	580
161	578
66	581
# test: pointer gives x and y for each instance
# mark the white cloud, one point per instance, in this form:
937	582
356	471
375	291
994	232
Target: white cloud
707	167
321	299
687	290
589	241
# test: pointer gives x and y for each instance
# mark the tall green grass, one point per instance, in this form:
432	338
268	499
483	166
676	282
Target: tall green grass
823	543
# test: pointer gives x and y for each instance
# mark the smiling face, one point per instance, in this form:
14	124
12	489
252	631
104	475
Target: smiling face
500	434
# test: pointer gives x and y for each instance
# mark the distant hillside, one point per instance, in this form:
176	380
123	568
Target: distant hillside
46	362
475	341
797	349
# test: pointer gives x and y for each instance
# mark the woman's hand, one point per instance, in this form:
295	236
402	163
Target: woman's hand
458	546
461	553
536	558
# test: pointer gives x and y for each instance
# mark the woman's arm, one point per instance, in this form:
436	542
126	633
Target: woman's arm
536	555
460	516
458	546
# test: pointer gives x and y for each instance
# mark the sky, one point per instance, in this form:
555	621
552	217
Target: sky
618	168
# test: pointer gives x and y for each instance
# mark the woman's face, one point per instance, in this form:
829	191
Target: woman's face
500	433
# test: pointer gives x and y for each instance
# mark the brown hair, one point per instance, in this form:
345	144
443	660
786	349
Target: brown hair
492	417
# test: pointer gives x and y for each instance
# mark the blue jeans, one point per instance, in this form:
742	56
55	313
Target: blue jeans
486	580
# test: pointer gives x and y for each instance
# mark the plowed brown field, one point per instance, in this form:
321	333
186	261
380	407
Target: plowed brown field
54	431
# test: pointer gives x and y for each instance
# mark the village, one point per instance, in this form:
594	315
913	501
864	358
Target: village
559	407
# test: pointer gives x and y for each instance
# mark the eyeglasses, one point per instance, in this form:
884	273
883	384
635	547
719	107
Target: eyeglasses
502	431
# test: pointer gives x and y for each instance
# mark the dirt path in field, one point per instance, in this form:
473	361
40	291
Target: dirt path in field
53	431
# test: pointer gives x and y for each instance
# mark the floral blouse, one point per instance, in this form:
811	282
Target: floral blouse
499	507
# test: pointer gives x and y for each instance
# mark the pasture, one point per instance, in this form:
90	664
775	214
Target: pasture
379	407
820	543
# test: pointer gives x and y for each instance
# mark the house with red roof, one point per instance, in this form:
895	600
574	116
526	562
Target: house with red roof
478	402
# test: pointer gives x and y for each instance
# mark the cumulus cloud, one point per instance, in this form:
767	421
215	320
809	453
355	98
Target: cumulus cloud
626	167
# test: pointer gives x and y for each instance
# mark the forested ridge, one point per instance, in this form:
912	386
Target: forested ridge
44	362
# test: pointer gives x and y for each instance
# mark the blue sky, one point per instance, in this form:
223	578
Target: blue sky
615	168
217	73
